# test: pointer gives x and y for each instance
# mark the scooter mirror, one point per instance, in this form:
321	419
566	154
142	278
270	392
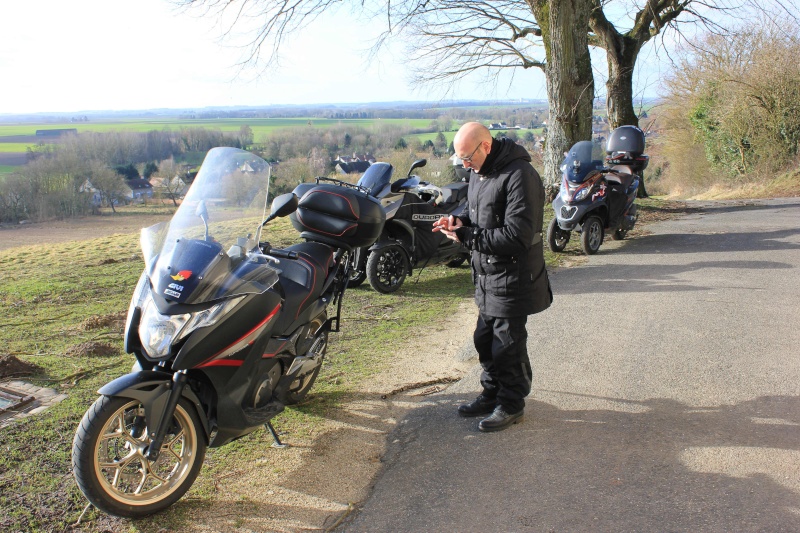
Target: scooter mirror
416	164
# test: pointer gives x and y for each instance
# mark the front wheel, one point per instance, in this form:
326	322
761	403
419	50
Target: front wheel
592	235
111	469
557	238
387	268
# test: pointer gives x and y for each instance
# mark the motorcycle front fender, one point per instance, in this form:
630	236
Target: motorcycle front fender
151	388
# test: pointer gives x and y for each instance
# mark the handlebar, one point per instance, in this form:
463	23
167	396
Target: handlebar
284	254
277	252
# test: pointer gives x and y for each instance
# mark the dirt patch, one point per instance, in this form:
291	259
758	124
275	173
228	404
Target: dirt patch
92	349
115	321
78	229
12	367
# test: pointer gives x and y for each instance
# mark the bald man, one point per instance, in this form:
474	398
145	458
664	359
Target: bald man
502	227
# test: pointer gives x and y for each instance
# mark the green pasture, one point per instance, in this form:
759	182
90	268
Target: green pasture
7	169
14	147
260	126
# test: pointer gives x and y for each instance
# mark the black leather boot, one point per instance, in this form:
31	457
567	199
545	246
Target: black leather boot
480	406
499	420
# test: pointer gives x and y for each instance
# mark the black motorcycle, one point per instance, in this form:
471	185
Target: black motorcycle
226	330
407	242
596	197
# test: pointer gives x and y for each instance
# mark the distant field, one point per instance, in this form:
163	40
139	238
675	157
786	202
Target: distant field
14	147
259	126
7	169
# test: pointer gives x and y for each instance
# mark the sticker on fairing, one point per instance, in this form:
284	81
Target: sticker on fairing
183	275
426	218
172	293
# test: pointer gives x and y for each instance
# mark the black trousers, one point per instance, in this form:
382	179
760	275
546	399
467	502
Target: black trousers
503	353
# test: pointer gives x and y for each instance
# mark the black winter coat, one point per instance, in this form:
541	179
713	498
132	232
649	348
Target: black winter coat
503	230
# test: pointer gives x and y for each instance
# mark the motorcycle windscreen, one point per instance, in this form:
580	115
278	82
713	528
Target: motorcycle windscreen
200	255
578	163
376	177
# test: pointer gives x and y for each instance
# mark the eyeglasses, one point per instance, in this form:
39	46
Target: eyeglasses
468	159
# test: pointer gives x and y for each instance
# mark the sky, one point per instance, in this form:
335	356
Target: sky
63	57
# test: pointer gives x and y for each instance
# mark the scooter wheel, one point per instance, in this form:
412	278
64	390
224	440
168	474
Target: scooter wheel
387	268
557	238
591	235
619	234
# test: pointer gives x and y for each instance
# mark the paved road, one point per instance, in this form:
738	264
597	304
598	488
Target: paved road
666	397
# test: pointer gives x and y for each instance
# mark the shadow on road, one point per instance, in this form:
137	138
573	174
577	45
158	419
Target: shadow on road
650	465
675	243
654	278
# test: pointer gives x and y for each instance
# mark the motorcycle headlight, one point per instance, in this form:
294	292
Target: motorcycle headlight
159	332
209	317
581	194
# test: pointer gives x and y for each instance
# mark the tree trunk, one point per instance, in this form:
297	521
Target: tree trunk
619	87
570	85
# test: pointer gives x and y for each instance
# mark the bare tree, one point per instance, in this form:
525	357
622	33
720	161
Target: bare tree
108	183
458	37
170	185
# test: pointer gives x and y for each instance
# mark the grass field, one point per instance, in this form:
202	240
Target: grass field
260	126
14	147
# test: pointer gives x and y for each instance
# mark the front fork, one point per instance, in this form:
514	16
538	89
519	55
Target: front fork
157	438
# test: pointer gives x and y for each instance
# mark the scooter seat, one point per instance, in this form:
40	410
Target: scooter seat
620	174
452	193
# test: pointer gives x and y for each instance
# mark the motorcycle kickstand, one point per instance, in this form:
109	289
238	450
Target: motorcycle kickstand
277	443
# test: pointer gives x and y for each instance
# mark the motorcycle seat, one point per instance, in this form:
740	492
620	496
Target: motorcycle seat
453	193
308	271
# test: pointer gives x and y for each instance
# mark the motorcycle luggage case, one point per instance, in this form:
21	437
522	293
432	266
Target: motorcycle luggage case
626	147
338	216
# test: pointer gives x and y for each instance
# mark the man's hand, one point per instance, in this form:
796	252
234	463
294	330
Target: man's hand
448	225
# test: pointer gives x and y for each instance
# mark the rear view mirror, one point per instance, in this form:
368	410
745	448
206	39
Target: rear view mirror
282	205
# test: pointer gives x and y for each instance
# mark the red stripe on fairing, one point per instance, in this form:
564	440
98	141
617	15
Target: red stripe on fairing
325	232
223	362
213	361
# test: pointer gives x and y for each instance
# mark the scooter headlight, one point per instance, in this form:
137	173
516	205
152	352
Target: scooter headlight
581	194
564	190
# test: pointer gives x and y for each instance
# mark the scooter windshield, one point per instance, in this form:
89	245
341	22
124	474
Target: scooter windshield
376	178
578	163
209	250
